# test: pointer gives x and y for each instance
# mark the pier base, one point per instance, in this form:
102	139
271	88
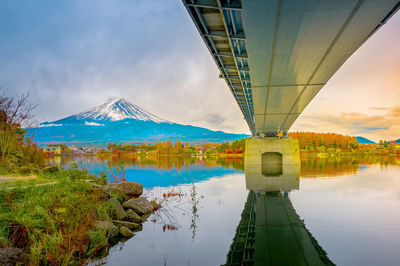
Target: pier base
268	156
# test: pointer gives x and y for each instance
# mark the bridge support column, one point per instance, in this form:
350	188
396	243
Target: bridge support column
267	156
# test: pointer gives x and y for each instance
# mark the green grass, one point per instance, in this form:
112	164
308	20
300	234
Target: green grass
53	222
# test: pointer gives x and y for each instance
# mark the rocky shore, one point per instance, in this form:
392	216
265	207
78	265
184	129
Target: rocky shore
128	210
123	209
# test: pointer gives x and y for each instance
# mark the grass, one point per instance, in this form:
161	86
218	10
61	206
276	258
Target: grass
53	221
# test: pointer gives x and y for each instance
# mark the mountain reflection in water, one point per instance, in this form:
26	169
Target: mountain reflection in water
218	215
311	165
163	171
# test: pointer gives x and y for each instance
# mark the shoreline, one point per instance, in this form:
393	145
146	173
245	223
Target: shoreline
94	215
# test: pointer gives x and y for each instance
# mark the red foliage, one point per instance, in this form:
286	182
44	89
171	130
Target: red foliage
171	194
169	227
18	235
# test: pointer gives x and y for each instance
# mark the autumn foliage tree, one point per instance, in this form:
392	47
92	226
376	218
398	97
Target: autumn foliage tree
167	147
234	147
16	118
322	141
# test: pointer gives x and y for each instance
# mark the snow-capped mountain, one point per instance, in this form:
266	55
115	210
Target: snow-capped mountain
119	120
117	109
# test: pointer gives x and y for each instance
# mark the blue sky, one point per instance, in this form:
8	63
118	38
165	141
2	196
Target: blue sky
72	55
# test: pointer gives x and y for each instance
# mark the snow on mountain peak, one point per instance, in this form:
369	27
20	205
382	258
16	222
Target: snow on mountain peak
115	109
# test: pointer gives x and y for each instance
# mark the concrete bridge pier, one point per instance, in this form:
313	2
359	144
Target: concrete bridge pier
268	155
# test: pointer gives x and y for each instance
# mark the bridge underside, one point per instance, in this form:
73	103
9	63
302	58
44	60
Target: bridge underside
276	55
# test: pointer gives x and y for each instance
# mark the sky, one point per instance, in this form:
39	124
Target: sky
71	55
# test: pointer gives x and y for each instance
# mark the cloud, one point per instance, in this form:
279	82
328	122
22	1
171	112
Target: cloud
378	108
146	51
395	112
93	124
385	126
212	118
50	125
150	52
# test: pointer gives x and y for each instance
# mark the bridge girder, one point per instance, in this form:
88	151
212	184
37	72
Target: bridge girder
276	55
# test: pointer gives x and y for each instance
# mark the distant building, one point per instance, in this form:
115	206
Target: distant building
199	148
53	150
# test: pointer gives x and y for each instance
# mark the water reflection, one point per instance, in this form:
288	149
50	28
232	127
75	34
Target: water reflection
315	166
160	162
311	165
218	215
270	231
160	171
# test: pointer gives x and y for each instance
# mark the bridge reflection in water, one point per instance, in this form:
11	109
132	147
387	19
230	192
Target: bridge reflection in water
270	231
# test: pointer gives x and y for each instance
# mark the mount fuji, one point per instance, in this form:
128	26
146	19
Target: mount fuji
121	121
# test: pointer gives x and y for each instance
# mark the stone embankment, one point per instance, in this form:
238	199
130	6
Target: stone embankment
128	209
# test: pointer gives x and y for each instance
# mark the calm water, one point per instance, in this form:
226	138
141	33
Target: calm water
344	211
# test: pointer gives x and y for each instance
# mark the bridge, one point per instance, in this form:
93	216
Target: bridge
276	55
270	231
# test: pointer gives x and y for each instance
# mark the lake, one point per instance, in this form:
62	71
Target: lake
333	210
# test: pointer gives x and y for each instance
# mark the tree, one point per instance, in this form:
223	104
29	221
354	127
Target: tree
321	148
110	146
15	112
310	147
169	147
8	140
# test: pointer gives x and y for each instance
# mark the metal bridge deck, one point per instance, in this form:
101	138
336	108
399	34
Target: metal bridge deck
276	55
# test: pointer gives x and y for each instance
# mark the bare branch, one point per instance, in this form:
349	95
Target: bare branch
18	111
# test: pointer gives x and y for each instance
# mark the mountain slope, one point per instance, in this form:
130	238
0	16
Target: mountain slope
363	140
119	120
112	110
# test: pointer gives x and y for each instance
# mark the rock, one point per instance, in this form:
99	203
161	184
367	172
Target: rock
24	169
133	216
125	232
10	167
116	192
145	216
117	210
140	206
110	229
13	256
50	169
129	225
131	189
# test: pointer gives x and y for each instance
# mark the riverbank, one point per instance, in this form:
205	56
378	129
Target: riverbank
66	216
305	153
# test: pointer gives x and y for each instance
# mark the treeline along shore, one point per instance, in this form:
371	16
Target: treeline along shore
309	142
